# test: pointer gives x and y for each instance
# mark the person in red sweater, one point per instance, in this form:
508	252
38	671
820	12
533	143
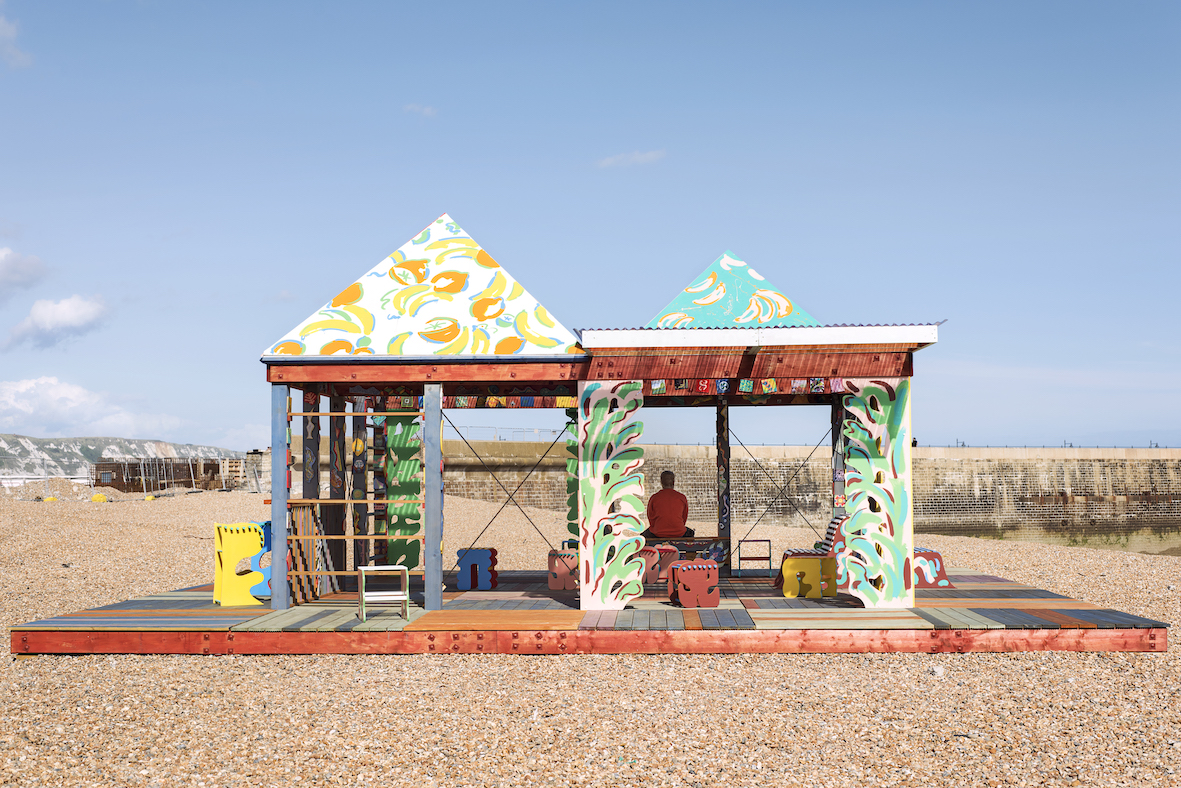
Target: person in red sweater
668	511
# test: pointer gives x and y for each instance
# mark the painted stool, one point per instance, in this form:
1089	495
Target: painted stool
477	568
668	554
651	558
809	576
563	570
929	569
231	544
694	583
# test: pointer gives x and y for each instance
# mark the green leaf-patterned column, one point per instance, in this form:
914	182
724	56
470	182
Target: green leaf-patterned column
879	534
572	472
403	475
610	568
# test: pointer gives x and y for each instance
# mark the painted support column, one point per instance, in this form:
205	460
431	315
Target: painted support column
404	484
432	449
572	472
380	510
311	445
877	556
360	460
838	456
723	435
333	516
610	570
280	591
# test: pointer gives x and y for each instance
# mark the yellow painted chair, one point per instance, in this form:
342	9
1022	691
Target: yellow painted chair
231	544
809	576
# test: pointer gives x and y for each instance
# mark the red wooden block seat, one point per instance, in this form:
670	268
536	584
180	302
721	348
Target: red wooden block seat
651	558
694	583
563	570
929	569
668	554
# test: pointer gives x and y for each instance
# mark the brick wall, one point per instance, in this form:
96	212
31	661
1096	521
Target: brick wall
1129	498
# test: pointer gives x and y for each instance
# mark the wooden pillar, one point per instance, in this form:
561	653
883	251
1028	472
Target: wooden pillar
380	510
280	592
432	450
311	445
360	460
333	516
838	455
723	436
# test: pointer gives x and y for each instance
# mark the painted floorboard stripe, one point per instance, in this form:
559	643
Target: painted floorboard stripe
296	626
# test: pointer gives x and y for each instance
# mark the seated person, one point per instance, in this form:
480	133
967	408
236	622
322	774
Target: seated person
668	511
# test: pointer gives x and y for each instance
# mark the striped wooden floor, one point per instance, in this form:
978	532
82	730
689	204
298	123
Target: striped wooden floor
981	612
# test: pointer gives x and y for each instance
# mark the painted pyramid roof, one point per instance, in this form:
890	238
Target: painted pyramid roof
731	294
439	294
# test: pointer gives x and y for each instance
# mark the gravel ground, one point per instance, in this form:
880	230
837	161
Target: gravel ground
825	720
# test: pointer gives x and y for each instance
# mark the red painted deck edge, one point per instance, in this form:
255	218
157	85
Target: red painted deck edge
795	641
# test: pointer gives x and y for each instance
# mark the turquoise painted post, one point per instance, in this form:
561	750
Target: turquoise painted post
432	451
280	591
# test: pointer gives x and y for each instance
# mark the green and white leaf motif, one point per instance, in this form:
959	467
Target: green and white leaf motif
879	531
609	477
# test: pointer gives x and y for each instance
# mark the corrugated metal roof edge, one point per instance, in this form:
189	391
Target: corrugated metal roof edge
743	328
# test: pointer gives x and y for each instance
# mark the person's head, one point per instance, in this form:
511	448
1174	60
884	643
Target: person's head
667	480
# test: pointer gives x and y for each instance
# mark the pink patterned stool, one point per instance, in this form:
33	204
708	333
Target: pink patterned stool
651	558
668	554
563	570
694	583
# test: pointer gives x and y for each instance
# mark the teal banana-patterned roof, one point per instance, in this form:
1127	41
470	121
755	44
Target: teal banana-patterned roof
728	294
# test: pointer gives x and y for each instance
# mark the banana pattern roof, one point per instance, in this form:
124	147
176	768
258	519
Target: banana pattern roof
731	294
440	294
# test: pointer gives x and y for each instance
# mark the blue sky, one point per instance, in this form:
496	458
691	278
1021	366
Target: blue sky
180	184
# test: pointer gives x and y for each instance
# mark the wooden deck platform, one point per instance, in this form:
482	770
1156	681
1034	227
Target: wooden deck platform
982	613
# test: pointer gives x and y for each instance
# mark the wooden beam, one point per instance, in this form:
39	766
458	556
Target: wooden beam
534	641
723	477
360	469
441	372
333	518
311	446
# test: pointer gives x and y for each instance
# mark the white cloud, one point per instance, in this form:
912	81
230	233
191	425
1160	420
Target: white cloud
629	159
48	408
18	271
9	52
51	322
244	438
419	109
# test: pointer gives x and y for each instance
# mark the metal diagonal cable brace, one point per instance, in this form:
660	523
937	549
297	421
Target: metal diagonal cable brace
782	491
510	495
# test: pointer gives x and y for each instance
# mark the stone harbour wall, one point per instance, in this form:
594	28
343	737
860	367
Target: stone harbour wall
1118	498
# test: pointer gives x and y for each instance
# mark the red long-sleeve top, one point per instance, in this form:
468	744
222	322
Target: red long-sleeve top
668	511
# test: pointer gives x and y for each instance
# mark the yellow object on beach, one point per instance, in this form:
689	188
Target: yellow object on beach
98	498
231	544
51	498
150	498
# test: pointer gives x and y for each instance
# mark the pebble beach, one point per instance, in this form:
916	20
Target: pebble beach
1046	718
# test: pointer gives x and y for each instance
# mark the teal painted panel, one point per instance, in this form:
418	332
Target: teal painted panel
731	294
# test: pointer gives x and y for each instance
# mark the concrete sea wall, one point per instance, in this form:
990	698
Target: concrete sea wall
1117	498
1126	499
